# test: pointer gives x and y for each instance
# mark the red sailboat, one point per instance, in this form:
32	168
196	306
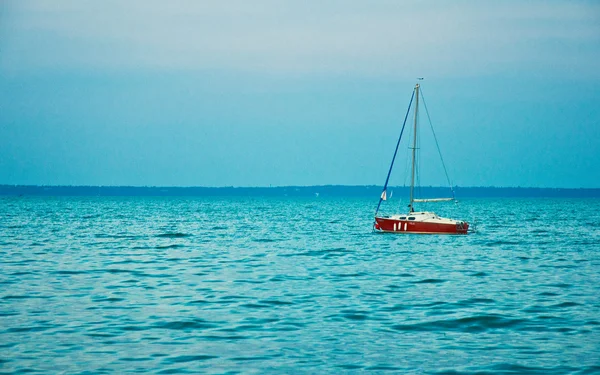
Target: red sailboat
421	222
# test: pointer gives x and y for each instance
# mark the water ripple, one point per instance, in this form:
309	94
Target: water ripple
263	285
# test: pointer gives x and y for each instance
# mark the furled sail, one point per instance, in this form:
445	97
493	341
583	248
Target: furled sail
434	200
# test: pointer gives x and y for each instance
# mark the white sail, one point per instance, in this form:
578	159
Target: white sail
434	200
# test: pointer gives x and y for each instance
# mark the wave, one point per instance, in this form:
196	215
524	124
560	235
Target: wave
185	325
173	235
477	323
189	358
515	369
172	246
429	281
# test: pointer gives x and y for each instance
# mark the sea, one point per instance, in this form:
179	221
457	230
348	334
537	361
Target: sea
288	285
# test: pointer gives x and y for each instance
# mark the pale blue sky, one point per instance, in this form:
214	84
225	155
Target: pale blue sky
259	93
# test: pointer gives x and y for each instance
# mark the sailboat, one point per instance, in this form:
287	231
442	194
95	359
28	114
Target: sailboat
414	221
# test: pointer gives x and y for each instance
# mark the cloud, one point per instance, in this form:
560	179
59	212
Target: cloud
379	38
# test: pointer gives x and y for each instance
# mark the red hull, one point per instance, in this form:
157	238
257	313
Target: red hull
405	226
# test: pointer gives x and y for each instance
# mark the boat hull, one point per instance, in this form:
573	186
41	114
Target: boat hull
419	227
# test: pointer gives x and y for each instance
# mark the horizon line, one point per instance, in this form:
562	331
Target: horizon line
288	186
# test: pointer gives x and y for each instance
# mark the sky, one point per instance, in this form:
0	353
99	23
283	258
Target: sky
273	93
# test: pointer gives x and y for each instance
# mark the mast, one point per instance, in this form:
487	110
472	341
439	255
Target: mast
414	149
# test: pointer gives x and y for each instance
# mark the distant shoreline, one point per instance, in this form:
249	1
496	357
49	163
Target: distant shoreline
295	191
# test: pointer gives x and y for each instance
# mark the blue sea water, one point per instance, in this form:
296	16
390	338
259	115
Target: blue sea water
285	285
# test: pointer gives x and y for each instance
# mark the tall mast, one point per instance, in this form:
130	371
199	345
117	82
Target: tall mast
414	149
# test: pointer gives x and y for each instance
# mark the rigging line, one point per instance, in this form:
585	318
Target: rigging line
418	159
395	152
418	156
437	144
407	160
